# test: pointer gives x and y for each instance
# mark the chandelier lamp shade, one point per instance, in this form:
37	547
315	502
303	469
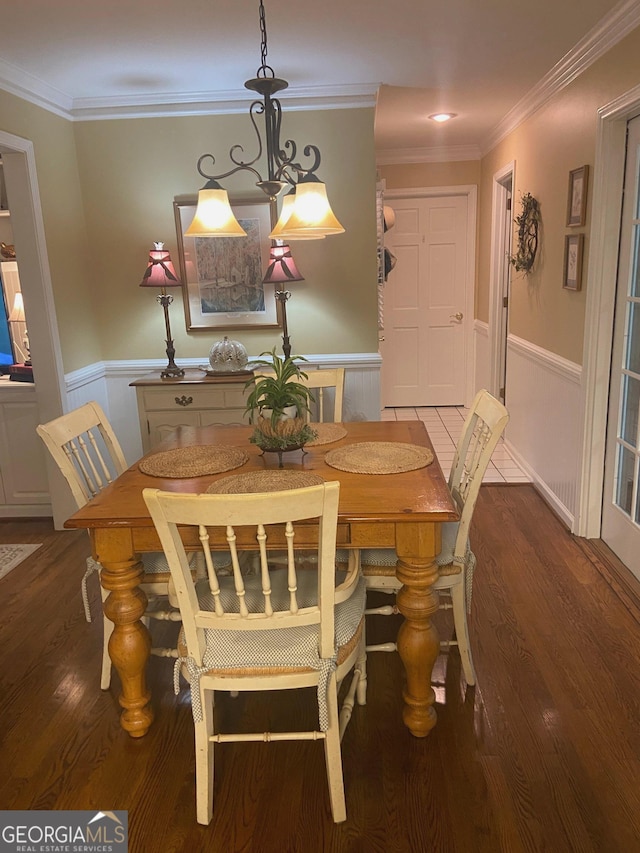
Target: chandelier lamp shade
213	216
312	216
282	269
161	274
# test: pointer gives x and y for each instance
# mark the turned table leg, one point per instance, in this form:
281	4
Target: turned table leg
130	643
418	643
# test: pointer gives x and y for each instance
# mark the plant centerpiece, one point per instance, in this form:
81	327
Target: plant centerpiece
278	404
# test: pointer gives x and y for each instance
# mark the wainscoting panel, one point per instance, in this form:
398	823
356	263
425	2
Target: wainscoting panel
481	355
108	384
543	434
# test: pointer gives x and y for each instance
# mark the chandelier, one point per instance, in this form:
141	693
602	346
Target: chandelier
309	216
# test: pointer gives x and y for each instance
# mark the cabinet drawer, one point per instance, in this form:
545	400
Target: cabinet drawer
170	399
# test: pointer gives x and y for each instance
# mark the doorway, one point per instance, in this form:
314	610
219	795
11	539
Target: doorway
35	281
621	498
428	298
500	278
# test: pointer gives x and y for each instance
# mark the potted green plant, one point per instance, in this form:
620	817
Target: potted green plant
278	404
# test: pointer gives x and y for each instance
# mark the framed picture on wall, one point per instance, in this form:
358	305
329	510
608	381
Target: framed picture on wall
577	196
222	276
573	248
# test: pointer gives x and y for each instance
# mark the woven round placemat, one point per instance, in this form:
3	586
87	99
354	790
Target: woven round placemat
327	433
379	457
195	461
253	482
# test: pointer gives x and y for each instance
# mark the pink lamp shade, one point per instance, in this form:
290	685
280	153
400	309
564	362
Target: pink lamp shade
160	271
282	267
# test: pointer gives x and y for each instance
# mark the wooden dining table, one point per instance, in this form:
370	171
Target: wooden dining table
398	510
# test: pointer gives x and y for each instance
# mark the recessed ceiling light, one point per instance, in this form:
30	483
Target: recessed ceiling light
440	117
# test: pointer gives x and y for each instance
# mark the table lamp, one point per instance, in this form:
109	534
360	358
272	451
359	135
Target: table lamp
160	273
282	269
17	316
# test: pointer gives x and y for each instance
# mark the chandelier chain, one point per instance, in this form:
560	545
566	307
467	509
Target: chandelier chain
263	36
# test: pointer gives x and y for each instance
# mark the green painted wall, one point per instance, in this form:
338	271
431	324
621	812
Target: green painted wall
70	253
130	172
107	190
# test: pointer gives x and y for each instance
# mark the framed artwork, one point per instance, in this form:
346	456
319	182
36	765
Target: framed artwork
577	197
222	276
573	248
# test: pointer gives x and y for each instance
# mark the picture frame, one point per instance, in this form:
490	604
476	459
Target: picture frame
222	276
573	250
577	196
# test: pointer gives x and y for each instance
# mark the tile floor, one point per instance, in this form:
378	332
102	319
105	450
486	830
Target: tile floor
444	425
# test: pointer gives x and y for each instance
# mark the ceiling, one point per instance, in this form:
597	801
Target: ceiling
486	61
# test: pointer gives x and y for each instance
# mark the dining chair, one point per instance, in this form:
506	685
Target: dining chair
280	629
319	383
481	431
324	383
87	452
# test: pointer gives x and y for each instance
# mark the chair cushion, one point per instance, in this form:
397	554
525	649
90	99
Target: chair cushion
387	557
279	649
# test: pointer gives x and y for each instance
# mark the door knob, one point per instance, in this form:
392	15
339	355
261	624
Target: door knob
457	316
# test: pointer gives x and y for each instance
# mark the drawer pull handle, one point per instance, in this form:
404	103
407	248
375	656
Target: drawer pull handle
184	401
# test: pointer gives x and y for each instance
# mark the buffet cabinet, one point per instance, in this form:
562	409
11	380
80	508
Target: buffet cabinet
196	399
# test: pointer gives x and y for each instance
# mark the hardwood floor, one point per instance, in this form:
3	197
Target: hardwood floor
542	755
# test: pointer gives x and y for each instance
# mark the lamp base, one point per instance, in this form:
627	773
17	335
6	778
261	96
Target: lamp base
171	371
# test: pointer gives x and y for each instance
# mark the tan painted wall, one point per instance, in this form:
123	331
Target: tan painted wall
68	250
130	171
558	138
405	175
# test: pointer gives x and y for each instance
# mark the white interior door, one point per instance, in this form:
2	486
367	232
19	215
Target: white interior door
621	499
424	341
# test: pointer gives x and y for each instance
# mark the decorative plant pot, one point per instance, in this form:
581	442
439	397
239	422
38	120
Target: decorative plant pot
288	433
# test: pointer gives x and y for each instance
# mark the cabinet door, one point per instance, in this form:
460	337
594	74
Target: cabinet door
161	424
22	455
223	416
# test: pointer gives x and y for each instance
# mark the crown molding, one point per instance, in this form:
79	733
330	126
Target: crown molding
221	103
622	20
437	154
35	91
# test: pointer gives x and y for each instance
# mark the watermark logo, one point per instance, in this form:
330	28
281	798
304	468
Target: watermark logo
64	832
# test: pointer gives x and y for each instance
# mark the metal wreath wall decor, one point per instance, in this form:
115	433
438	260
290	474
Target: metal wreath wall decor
528	223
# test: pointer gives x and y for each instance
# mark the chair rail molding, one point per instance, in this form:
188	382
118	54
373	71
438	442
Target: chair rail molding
108	383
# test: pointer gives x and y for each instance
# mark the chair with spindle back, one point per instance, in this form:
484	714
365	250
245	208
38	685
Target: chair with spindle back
319	382
87	452
482	429
280	629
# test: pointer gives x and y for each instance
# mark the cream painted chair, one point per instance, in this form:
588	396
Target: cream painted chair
85	448
280	629
482	429
319	382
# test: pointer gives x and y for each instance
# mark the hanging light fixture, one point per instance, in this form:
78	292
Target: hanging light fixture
312	220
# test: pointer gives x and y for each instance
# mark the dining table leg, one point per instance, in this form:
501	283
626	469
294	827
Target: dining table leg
418	644
130	642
